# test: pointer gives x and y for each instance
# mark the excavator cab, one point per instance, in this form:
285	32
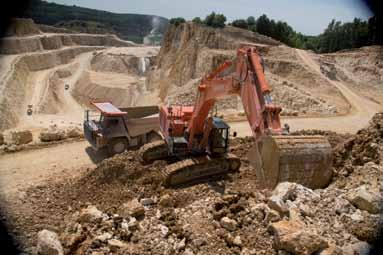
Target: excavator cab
219	137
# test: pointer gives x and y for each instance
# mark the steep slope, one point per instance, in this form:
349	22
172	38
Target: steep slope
132	27
190	51
361	68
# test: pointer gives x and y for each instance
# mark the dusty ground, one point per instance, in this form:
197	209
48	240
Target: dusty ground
191	212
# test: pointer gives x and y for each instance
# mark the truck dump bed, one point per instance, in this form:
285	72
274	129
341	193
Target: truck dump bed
140	120
140	111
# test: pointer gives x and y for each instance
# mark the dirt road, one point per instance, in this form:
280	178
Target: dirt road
21	170
362	109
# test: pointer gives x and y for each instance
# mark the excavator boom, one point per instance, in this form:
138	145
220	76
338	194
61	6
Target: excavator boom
201	141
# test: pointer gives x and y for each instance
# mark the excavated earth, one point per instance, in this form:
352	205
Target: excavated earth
230	215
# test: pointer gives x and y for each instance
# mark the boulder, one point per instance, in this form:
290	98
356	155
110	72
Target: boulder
286	192
48	243
21	137
228	223
53	133
132	208
365	200
292	236
90	215
74	132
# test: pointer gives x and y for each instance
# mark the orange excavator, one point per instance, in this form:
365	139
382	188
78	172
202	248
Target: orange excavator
198	142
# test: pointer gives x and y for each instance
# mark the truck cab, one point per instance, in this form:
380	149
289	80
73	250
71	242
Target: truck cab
119	129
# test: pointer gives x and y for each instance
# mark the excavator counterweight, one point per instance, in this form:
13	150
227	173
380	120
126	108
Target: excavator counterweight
199	142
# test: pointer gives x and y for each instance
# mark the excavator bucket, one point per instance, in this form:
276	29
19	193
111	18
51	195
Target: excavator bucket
306	160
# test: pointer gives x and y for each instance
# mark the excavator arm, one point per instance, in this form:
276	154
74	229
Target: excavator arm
247	81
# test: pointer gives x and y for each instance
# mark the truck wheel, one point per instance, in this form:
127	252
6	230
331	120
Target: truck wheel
117	146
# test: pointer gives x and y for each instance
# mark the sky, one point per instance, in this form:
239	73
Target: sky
309	17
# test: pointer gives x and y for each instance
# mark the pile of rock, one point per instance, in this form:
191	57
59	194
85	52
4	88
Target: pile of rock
95	231
54	133
365	146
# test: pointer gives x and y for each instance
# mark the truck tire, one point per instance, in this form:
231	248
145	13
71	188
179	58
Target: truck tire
117	146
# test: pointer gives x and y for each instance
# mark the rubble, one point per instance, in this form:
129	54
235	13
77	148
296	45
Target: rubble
225	216
294	237
166	201
228	223
90	214
48	243
115	244
132	208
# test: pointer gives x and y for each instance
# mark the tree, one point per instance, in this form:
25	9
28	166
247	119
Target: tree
215	20
251	23
197	20
177	21
219	20
264	25
241	23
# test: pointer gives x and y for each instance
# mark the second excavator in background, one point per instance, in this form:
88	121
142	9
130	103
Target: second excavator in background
198	142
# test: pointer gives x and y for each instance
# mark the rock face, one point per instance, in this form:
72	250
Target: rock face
190	51
21	137
292	236
22	27
16	83
48	243
17	45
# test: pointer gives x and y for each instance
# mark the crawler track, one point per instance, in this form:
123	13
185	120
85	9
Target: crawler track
189	170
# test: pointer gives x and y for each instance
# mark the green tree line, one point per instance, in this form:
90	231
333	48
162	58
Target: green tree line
212	20
128	26
336	36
